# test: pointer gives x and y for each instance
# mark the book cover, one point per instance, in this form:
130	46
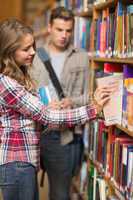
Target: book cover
113	108
130	168
110	158
125	153
101	130
90	181
112	67
44	95
119	141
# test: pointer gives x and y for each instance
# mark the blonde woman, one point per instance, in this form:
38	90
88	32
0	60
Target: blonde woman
21	111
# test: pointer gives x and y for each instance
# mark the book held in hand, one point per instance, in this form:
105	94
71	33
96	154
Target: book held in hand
44	95
113	108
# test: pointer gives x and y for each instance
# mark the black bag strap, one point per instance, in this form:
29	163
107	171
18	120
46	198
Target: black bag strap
52	74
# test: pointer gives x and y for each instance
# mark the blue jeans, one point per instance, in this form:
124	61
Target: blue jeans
61	163
18	181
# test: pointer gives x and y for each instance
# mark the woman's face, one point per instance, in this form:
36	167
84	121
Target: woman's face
25	53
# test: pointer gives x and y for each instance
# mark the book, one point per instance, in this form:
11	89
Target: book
112	67
119	143
125	164
44	95
113	108
127	116
90	181
112	197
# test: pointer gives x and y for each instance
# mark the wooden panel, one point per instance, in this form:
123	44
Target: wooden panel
11	8
1	196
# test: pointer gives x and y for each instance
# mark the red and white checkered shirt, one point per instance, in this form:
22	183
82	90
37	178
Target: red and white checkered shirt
19	110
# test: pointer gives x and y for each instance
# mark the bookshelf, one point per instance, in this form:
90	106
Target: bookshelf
113	60
36	9
130	133
111	147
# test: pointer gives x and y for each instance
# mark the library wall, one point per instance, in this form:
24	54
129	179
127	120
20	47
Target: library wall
11	8
24	10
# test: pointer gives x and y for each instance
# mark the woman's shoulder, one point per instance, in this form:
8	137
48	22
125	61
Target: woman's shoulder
8	82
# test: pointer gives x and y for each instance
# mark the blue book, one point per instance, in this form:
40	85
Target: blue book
44	95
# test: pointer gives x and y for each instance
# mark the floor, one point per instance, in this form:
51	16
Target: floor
43	191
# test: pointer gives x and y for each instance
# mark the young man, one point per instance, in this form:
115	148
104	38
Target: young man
62	149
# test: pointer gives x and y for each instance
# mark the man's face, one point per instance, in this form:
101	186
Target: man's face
61	33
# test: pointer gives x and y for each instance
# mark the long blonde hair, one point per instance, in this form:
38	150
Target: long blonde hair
11	33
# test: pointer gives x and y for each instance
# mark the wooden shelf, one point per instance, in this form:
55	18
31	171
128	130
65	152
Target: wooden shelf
85	14
109	3
127	1
113	60
11	8
130	133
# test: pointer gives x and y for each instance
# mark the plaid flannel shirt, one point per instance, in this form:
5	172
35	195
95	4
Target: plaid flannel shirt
19	110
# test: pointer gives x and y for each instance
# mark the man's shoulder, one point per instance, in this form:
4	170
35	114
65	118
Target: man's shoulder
78	51
78	55
77	60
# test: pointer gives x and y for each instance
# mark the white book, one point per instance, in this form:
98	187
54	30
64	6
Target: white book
113	108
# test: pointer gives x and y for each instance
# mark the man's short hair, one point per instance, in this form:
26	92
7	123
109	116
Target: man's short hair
61	13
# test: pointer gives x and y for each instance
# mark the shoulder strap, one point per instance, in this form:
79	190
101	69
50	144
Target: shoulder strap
46	61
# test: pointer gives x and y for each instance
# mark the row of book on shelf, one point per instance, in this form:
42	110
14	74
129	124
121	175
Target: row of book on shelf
112	152
82	32
98	189
80	5
119	109
113	31
77	5
109	147
109	34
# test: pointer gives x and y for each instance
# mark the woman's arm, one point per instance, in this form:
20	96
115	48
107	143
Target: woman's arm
15	96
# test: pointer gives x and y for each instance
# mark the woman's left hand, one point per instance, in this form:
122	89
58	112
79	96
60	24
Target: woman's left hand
101	96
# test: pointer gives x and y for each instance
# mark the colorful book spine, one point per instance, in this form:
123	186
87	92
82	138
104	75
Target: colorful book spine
127	107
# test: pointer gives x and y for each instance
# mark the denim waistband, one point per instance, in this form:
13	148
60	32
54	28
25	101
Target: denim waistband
17	164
